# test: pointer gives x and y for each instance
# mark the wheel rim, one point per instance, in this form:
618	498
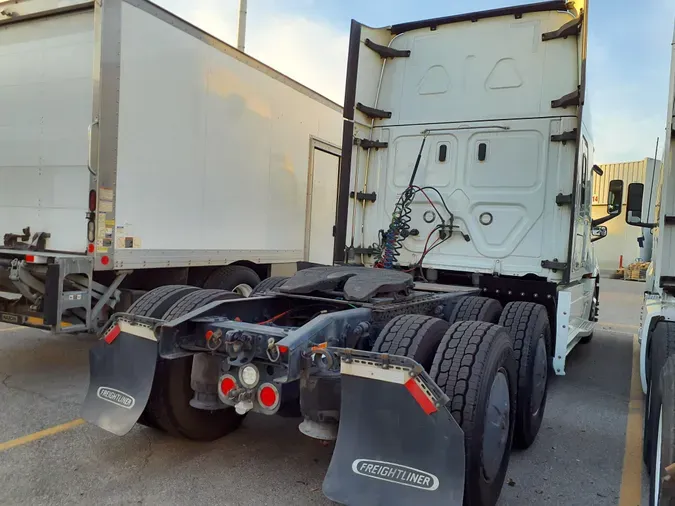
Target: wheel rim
656	471
539	377
243	289
497	425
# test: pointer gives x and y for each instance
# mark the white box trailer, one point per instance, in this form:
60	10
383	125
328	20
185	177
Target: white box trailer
137	150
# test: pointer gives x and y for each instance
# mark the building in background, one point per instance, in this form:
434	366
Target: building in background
621	244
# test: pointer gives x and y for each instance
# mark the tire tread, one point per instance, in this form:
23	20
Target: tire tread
474	308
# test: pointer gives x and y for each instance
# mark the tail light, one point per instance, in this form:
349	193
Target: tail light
92	200
227	384
268	396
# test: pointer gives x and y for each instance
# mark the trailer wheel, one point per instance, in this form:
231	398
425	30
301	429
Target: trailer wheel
528	325
413	336
662	346
475	366
480	309
268	284
169	403
662	493
233	278
154	304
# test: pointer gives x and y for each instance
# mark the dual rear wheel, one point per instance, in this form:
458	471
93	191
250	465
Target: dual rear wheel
495	373
473	363
528	325
168	408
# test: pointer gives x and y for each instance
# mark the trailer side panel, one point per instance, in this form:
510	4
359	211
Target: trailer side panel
212	151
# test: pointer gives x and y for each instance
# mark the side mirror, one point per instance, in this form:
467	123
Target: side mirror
598	170
599	232
615	197
634	204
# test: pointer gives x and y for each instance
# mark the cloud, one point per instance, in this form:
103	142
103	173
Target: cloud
310	51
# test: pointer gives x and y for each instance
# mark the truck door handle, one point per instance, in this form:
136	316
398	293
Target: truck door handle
89	130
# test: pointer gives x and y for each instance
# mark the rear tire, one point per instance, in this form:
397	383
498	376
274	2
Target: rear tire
476	309
662	346
476	368
663	445
528	325
169	402
412	336
268	284
233	278
154	304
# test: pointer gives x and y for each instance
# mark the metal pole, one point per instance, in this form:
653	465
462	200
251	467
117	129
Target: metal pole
241	34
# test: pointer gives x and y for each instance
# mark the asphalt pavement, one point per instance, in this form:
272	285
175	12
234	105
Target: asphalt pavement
49	457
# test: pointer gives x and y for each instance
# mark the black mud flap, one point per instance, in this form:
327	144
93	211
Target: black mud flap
397	445
121	370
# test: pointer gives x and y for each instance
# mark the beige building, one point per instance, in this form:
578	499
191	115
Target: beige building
621	243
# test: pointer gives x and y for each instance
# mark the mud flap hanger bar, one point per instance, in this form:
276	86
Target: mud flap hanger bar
388	364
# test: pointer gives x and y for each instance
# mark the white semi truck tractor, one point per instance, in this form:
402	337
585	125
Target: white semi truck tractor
657	325
463	273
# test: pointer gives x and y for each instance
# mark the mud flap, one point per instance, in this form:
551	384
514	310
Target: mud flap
121	370
397	443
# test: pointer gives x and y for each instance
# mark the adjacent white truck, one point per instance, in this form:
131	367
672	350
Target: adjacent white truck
138	151
657	326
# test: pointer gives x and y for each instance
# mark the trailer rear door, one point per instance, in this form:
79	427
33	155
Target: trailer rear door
46	92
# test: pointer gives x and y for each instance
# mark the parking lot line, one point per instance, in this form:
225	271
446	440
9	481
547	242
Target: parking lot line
631	476
7	329
40	434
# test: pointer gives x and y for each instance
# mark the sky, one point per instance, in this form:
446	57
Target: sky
628	57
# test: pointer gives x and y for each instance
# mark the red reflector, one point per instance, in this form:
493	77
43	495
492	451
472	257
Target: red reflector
227	384
208	335
283	349
105	259
92	200
91	248
268	396
112	334
420	396
30	258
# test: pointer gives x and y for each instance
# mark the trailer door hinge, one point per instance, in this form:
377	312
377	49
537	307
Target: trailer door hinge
387	52
361	196
372	112
368	144
563	200
571	99
554	265
570	28
565	136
